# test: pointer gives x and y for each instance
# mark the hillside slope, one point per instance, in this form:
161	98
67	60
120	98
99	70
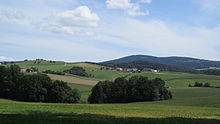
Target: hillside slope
172	61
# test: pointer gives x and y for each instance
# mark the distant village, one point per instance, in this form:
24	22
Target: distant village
136	70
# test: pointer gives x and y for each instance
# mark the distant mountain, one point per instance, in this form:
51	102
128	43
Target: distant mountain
185	62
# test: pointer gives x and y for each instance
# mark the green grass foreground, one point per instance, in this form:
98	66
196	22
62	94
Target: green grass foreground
189	106
12	112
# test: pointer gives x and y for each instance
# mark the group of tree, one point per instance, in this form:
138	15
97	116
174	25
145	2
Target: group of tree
34	88
53	72
77	71
134	89
198	84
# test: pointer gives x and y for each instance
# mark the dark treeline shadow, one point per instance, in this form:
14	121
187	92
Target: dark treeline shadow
36	117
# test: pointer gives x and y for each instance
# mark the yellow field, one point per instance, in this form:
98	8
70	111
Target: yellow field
72	79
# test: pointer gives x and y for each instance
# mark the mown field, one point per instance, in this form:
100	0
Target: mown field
190	105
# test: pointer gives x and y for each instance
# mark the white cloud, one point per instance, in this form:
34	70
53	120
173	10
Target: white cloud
81	16
121	4
135	12
78	21
3	58
145	1
10	15
132	9
157	37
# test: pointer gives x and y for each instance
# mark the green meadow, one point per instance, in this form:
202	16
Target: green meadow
191	106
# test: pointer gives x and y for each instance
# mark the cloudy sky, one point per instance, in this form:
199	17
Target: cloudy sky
97	30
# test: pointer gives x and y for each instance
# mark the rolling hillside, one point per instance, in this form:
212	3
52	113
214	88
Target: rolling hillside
93	69
185	62
189	104
173	79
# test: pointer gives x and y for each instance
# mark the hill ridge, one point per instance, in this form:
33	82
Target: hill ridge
186	62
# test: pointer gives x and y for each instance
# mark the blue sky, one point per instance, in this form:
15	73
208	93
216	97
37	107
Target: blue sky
98	30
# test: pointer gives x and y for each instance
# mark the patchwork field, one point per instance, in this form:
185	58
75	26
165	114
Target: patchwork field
95	70
173	79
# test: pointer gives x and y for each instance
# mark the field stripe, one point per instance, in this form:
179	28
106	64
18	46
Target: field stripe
71	79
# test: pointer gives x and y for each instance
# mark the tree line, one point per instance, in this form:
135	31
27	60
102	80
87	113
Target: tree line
134	89
34	88
53	72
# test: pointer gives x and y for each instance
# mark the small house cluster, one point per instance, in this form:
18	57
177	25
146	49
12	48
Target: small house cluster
135	70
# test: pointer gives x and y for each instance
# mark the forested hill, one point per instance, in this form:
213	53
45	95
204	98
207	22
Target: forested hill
185	62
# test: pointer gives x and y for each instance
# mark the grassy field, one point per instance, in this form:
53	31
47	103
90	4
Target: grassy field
181	80
202	97
190	105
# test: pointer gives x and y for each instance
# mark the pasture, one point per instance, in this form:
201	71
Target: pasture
153	113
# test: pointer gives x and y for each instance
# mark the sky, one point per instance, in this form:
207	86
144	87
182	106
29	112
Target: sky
99	30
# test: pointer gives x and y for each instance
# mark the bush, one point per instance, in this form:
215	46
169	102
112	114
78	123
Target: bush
197	84
77	71
136	89
207	85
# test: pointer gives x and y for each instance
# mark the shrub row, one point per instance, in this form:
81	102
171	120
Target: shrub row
198	84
